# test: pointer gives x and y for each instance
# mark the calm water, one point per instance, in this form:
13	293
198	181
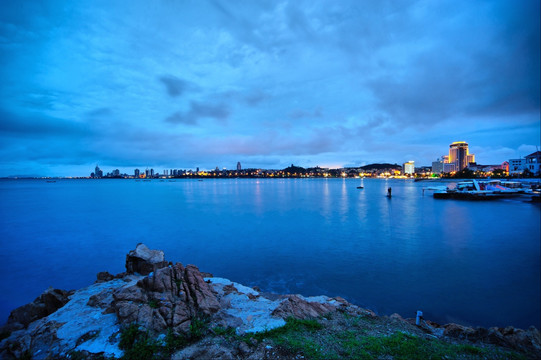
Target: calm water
476	263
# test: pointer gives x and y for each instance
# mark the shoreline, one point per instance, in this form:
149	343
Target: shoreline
166	298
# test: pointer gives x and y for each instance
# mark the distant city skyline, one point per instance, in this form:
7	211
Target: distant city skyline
202	84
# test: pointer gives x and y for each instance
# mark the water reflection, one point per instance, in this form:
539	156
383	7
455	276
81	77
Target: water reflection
307	236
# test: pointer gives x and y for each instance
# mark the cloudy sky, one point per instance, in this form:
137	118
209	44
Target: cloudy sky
185	84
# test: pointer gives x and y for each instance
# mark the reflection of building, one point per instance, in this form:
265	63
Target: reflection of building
409	167
459	155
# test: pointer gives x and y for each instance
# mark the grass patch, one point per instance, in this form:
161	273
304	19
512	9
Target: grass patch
311	339
154	304
137	344
228	332
199	326
174	342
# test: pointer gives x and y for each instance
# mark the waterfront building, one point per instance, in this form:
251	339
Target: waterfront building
409	167
98	172
459	155
239	168
151	172
517	166
437	166
532	163
136	173
449	167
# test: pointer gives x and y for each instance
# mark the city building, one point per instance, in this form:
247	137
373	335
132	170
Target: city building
136	173
459	155
239	168
409	167
437	166
98	172
516	166
531	163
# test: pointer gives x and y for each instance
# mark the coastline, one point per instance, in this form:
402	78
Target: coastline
165	298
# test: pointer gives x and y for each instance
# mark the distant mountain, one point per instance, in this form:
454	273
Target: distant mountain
294	169
381	166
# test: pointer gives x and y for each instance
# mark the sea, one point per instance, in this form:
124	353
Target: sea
474	263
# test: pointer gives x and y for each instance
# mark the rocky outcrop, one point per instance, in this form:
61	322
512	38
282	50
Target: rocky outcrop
170	297
517	339
104	276
47	303
299	308
143	261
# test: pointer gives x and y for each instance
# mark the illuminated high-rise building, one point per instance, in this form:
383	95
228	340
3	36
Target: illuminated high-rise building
459	155
409	167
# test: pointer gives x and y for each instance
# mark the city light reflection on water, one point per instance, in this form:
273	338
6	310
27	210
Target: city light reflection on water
472	262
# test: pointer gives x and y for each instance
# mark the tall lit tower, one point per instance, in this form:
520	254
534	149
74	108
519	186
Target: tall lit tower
459	155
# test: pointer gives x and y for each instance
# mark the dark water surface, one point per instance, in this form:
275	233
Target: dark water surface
476	263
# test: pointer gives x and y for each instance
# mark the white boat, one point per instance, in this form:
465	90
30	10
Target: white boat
467	190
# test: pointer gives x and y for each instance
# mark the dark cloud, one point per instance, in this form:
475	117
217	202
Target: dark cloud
41	126
100	113
175	86
255	98
200	110
302	114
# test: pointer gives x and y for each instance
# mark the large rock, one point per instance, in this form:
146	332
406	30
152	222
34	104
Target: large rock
47	303
168	298
299	308
142	260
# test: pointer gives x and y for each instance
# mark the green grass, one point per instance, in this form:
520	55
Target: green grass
311	339
199	326
154	304
315	341
137	344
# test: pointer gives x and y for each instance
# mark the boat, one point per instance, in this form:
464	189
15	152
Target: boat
467	190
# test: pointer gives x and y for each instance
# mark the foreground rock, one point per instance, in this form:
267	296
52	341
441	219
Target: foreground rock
143	261
164	298
45	304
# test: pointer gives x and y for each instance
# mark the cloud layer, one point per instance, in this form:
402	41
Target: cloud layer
209	83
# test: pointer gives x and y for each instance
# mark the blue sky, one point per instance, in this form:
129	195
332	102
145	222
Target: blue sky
185	84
